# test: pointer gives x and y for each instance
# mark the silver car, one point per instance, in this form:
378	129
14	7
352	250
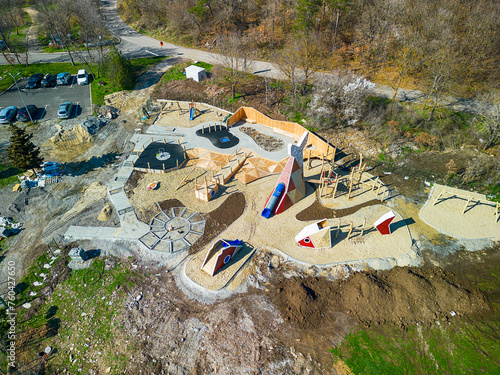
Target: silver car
64	110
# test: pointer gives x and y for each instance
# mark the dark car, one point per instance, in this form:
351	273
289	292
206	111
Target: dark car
63	78
49	80
22	114
65	110
34	81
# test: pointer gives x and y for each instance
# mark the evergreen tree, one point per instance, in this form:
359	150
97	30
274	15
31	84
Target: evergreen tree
22	152
118	70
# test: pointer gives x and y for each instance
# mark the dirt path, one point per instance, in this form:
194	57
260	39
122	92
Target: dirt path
34	45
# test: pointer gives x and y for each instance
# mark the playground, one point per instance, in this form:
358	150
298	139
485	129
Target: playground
286	191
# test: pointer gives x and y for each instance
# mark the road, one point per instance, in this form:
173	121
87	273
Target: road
133	44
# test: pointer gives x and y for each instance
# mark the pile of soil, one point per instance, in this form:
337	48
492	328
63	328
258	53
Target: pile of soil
317	211
401	296
219	219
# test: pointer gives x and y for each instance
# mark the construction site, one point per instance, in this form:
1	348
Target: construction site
238	227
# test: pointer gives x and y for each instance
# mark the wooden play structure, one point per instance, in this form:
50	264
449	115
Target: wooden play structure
356	180
470	198
205	191
219	254
230	169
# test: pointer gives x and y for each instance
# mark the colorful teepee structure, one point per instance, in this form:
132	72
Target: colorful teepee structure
290	187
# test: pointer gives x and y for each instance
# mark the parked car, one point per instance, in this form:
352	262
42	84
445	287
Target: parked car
2	45
7	114
49	80
34	81
82	78
22	114
63	78
65	110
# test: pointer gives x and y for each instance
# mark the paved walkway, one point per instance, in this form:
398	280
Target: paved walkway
131	228
190	140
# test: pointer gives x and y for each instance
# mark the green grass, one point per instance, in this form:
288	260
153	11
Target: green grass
139	66
8	175
85	309
456	348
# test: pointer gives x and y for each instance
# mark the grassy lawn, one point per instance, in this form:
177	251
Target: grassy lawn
139	66
8	175
83	312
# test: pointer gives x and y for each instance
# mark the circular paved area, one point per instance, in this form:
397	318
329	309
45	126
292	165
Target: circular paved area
173	230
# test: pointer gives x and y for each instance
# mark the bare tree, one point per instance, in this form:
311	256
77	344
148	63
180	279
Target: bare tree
236	59
487	118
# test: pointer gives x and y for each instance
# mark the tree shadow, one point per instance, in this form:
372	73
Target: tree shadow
53	326
51	312
9	172
83	167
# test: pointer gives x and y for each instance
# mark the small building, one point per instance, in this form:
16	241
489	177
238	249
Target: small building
4	232
196	73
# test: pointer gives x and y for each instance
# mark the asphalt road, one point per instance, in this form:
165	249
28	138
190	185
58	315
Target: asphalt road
47	99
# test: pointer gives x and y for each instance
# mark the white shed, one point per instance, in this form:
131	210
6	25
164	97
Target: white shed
195	72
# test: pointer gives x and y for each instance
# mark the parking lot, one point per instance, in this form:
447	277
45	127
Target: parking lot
47	99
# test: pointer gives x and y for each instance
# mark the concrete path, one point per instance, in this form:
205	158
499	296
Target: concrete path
131	228
190	140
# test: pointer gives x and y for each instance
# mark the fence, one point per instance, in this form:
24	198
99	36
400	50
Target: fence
288	128
161	171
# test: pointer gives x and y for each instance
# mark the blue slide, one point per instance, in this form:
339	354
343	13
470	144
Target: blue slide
272	201
191	114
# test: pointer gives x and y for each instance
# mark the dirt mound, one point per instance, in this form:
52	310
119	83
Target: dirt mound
219	219
106	212
317	211
66	139
401	296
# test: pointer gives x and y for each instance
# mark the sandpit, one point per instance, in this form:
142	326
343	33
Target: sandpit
478	221
173	117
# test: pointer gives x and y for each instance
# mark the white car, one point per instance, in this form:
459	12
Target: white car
82	78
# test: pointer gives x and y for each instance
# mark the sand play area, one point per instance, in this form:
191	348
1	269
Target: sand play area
461	214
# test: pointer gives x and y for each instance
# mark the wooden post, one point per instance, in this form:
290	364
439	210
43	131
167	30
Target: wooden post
333	156
163	167
338	230
335	188
177	162
350	231
209	128
468	201
151	139
202	129
133	166
143	147
179	142
439	196
379	186
185	178
149	166
364	224
164	141
309	160
350	183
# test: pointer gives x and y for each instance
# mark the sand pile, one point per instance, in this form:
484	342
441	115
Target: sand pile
106	212
67	139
